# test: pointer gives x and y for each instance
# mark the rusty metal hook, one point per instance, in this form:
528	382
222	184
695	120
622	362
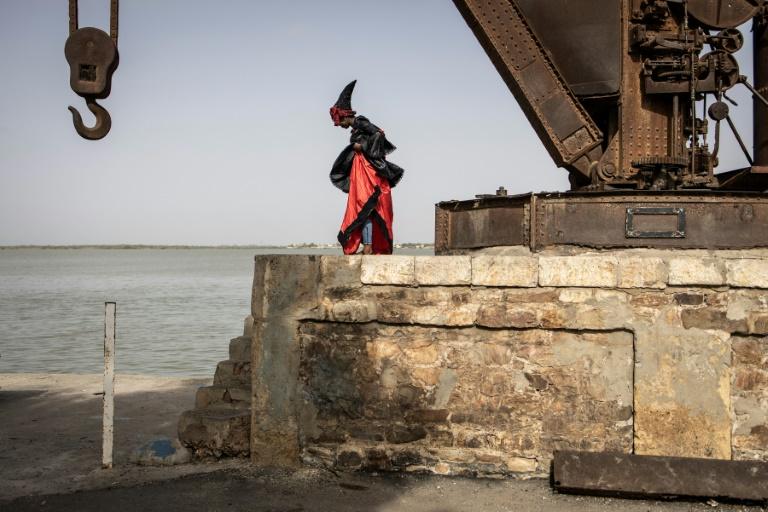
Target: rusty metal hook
103	121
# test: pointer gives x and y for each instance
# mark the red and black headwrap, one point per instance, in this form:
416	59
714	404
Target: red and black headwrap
343	106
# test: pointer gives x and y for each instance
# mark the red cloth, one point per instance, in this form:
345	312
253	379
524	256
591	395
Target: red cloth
363	182
337	114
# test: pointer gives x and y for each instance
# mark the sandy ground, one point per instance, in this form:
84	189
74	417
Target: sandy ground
50	454
50	430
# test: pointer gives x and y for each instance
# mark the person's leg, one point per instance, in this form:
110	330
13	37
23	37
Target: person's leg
368	237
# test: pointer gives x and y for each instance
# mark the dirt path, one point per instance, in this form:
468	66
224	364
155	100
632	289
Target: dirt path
50	430
50	447
253	490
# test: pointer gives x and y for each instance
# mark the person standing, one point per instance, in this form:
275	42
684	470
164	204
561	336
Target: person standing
363	172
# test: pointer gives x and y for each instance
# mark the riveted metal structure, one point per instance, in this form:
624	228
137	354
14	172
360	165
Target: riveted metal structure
617	219
618	91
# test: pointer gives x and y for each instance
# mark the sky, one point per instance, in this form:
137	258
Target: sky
220	126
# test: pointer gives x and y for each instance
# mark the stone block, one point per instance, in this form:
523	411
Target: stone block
248	326
233	374
749	393
520	465
223	398
682	392
240	349
578	271
747	273
689	270
216	432
712	319
510	271
392	270
341	271
443	270
647	272
426	306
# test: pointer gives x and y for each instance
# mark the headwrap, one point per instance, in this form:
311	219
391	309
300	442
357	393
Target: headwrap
343	106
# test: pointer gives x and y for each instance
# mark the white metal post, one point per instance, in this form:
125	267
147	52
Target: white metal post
110	312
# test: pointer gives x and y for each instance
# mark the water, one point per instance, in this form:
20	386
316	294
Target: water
177	309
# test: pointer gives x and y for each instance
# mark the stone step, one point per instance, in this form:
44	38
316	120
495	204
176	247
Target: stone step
233	374
216	432
240	349
223	397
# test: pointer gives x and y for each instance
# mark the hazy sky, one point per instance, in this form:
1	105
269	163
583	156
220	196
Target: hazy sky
221	133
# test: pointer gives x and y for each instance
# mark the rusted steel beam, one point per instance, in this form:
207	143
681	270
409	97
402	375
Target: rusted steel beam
642	476
675	219
561	122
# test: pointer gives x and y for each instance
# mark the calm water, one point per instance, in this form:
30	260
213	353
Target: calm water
177	309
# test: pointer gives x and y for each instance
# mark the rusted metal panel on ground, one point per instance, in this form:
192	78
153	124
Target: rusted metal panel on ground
684	220
563	125
620	474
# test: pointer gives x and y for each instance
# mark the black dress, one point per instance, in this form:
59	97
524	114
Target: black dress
376	147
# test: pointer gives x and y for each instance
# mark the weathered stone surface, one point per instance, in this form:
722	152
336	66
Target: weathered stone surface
392	270
750	398
642	272
589	271
682	392
240	349
233	374
248	325
689	299
223	398
341	272
443	270
512	271
696	271
286	288
709	318
216	432
747	273
490	378
518	394
426	306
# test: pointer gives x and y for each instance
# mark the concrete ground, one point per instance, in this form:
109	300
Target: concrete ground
50	453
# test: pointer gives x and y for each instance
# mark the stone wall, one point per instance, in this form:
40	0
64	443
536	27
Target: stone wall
485	364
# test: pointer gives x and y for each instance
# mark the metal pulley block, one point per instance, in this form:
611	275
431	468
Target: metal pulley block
93	57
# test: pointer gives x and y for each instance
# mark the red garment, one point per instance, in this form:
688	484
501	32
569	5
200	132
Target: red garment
370	197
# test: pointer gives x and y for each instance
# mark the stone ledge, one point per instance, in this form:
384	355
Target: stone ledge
509	271
747	273
696	271
394	270
443	270
657	271
578	271
642	272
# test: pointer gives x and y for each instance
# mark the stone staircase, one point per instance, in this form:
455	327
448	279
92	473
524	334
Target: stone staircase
220	423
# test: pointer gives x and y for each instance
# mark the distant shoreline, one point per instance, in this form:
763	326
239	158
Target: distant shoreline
176	247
